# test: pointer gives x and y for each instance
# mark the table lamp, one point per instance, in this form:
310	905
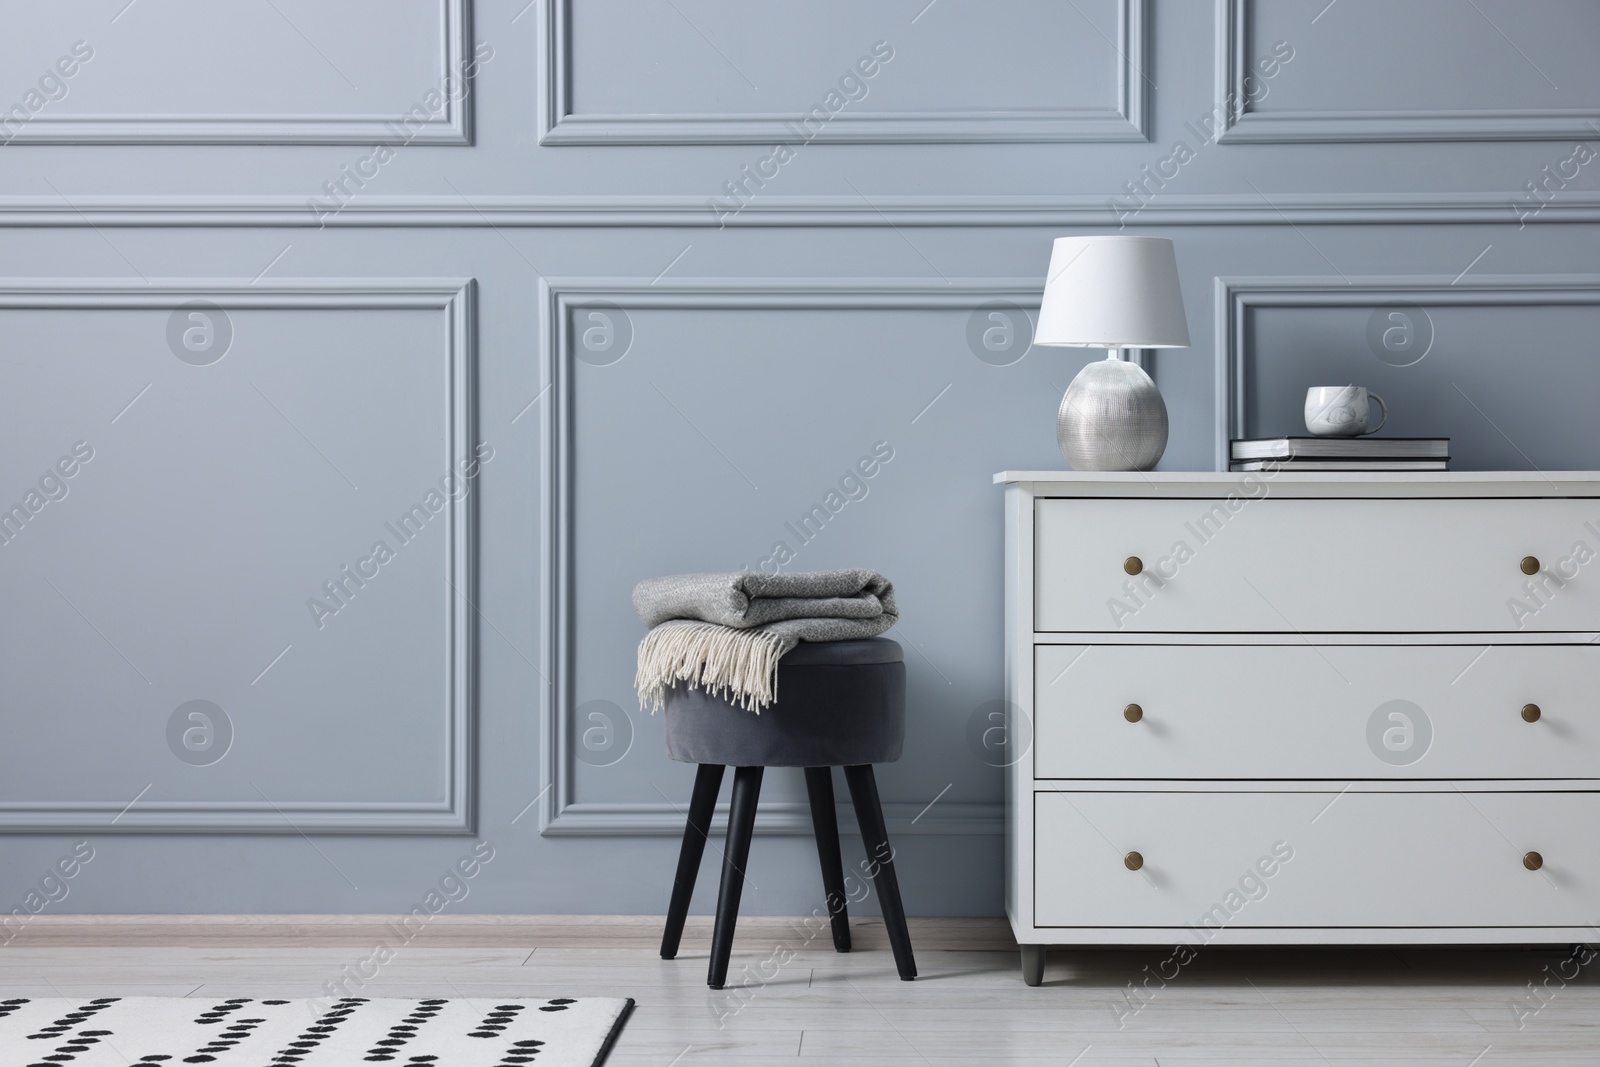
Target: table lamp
1112	292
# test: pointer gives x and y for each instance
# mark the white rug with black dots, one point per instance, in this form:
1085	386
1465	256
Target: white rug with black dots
244	1032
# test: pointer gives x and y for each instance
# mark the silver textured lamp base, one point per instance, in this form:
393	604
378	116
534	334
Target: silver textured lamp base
1112	418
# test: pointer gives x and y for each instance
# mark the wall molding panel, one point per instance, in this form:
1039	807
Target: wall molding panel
1236	296
455	300
1202	209
593	819
452	127
560	813
1336	125
559	125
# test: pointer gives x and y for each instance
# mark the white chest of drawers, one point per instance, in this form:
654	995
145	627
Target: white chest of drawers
1302	708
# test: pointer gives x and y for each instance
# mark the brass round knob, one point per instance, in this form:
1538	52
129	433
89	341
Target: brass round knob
1530	564
1533	861
1530	713
1133	861
1133	564
1133	713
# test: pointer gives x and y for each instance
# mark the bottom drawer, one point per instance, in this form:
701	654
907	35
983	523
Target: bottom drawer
1316	859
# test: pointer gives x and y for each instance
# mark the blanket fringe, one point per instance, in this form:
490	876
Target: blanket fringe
740	666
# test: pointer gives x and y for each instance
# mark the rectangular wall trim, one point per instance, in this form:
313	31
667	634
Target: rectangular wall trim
693	212
1235	296
560	812
558	125
453	126
1243	126
455	299
664	820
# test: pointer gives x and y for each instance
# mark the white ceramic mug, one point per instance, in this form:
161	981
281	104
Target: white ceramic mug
1342	411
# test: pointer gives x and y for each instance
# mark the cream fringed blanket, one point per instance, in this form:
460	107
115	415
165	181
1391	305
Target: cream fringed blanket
725	633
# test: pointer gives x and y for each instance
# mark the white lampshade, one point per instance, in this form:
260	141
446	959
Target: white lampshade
1112	292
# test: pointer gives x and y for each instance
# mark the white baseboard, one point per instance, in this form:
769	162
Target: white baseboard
443	931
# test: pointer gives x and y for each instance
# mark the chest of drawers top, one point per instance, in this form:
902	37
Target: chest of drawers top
1286	482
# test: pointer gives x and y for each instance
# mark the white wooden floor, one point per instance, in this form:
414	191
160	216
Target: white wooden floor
1283	1007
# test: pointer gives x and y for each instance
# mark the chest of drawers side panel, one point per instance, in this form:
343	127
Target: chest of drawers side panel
1019	668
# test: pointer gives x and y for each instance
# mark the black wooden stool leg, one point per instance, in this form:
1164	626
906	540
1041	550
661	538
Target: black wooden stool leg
741	827
825	824
880	864
702	803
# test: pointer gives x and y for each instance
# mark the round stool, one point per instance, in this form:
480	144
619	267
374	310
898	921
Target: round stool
840	704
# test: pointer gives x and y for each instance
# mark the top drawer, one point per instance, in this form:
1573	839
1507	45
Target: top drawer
1317	566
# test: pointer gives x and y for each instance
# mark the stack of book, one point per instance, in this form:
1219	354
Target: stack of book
1342	454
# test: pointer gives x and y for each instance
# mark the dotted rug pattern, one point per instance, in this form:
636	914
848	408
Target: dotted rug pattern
244	1032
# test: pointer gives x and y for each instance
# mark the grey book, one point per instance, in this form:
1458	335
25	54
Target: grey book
1343	448
1339	465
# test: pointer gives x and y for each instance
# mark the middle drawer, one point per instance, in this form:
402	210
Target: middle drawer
1337	712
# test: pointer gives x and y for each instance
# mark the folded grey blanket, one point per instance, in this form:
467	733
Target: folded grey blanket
725	633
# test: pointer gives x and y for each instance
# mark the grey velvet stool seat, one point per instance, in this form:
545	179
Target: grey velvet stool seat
840	704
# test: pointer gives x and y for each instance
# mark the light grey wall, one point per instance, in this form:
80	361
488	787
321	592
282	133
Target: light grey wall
552	268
